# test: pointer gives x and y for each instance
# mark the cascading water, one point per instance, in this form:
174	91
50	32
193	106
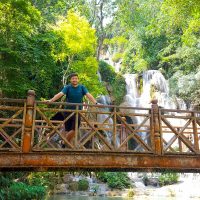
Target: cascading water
132	91
105	100
152	80
154	86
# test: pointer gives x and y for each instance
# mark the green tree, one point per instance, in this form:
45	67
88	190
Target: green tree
76	49
18	21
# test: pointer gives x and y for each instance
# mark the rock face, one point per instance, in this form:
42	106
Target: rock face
61	189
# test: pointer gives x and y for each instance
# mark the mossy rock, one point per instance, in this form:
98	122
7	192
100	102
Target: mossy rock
73	186
83	185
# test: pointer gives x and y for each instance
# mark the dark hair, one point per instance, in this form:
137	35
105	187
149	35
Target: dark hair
72	75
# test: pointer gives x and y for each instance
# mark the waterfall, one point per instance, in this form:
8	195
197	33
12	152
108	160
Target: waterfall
152	79
131	87
154	86
105	100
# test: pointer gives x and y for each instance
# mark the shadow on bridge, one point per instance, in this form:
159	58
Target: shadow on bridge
110	137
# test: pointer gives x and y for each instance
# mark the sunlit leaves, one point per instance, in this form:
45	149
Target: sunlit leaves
78	36
77	48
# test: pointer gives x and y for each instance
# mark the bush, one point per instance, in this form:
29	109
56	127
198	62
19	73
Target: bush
116	81
83	185
26	192
26	185
119	89
168	178
117	180
131	193
107	72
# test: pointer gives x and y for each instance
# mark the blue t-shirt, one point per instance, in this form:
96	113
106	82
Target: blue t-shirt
74	94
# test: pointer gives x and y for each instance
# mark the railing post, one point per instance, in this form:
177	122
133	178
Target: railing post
156	127
28	121
195	132
76	127
115	128
123	135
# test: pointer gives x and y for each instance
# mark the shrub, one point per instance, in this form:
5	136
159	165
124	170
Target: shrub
116	81
22	191
107	72
131	193
117	180
83	185
119	89
168	178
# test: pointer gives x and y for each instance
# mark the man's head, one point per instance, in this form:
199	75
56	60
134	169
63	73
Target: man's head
74	79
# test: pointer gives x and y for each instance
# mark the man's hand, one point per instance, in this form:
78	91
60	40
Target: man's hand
100	104
48	101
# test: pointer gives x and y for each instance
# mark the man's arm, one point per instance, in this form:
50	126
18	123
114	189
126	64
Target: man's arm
91	98
56	97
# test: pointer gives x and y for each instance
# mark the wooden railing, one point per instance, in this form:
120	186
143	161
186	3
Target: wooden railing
26	126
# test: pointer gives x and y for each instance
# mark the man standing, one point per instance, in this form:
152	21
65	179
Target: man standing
74	94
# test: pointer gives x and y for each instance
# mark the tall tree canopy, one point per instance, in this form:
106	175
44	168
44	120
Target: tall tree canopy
43	41
39	49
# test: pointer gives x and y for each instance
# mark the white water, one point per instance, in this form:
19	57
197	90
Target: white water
154	86
151	79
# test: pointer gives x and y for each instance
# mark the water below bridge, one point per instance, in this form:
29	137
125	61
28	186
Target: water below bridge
64	197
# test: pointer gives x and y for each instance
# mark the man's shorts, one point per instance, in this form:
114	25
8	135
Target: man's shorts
70	124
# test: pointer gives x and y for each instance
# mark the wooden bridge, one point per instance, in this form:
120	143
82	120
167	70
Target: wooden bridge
110	137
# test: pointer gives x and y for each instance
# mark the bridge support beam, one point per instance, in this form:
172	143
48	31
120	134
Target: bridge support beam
41	161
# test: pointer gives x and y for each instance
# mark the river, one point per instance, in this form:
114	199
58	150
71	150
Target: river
65	197
142	197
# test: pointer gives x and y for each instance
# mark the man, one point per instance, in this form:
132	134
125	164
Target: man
74	94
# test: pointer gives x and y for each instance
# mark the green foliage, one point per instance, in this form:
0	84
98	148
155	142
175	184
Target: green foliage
38	48
131	193
17	186
119	89
83	185
116	81
25	54
45	179
161	179
22	191
168	178
117	180
51	11
107	72
77	48
116	57
186	86
160	35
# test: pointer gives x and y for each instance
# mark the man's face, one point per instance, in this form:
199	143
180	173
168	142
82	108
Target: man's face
74	80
